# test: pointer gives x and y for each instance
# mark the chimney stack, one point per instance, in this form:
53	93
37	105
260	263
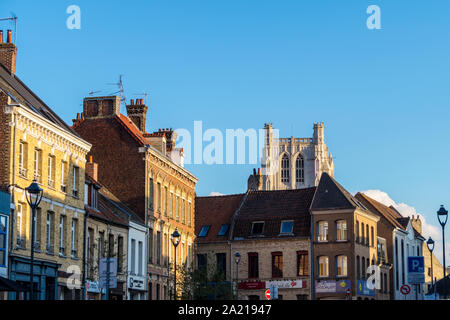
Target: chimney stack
137	113
8	52
92	169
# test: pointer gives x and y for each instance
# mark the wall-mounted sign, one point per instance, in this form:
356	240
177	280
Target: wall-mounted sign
136	283
287	284
342	286
363	290
251	285
326	286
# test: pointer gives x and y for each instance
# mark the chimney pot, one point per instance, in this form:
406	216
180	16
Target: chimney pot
90	159
1	36
92	169
259	171
9	37
132	101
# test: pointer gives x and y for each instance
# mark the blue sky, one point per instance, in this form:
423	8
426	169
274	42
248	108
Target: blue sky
383	94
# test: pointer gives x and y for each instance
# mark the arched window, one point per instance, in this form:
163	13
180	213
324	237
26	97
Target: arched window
358	268
341	230
341	266
300	169
366	242
372	243
362	241
285	169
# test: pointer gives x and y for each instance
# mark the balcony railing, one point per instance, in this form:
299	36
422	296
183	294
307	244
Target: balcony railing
63	188
75	193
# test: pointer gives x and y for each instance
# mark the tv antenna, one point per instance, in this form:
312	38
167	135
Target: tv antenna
91	93
144	94
12	18
121	91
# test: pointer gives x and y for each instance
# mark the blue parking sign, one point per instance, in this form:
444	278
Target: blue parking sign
416	265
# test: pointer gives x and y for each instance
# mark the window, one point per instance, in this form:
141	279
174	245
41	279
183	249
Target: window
183	206
20	226
257	228
223	230
322	231
120	255
363	238
323	266
165	201
158	197
358	268
201	261
63	177
23	147
302	263
403	261
62	249
396	263
300	169
158	247
367	235
51	171
285	169
101	243
177	207
133	257
49	233
341	230
277	265
341	266
111	245
363	268
75	181
74	237
37	165
253	266
189	222
221	264
150	194
204	231
90	256
150	245
357	231
287	227
3	236
372	244
171	205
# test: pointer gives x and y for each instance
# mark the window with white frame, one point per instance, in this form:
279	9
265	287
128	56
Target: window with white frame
341	230
287	227
20	222
23	159
341	266
140	251
285	170
75	180
62	249
133	256
51	171
322	231
323	266
300	169
74	237
37	165
63	177
49	232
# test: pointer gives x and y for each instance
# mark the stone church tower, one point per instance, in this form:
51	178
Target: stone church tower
292	163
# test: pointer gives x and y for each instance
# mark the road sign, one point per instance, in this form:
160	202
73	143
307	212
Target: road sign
416	278
416	265
405	289
104	274
268	294
274	292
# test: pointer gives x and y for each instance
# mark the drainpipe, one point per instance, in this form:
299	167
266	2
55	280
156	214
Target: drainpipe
13	191
86	216
231	267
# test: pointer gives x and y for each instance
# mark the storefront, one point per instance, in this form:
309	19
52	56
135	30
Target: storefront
4	220
137	288
93	291
45	277
333	289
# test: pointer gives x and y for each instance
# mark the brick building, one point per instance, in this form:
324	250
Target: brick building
35	144
270	230
145	171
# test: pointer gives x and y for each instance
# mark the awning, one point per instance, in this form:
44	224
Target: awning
9	285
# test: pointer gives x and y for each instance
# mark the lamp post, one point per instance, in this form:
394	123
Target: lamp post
442	217
175	241
237	259
34	197
430	245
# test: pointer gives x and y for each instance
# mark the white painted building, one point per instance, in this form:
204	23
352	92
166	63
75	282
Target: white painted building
137	260
407	243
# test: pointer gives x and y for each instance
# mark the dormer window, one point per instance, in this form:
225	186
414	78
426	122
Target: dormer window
223	230
204	231
287	227
257	228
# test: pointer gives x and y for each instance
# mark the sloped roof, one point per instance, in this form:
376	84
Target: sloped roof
331	195
273	207
388	213
215	211
18	91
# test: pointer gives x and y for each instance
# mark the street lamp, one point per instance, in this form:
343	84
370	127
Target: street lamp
34	197
430	245
175	241
237	259
443	214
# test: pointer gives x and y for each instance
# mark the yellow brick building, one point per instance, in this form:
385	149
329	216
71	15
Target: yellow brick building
37	145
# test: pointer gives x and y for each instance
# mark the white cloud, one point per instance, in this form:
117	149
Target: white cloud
428	230
215	194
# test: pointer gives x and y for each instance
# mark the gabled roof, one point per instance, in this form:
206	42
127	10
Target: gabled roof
331	195
20	93
132	129
215	211
273	207
390	214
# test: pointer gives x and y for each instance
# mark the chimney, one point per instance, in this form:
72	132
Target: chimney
416	223
92	169
138	113
8	52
